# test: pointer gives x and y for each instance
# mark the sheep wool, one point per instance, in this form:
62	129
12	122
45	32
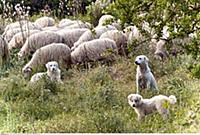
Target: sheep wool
92	34
10	33
4	52
105	19
14	25
65	22
53	52
39	40
71	36
94	50
119	37
19	39
45	21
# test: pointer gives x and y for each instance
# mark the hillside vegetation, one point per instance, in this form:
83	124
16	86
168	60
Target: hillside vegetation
93	98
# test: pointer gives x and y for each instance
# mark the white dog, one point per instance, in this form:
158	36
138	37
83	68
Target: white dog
144	107
53	72
144	77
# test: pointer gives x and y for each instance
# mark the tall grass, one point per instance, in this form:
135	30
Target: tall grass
95	100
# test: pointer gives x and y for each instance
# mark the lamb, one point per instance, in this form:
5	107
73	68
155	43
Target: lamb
45	21
39	40
53	52
18	39
4	52
120	39
94	50
92	34
71	36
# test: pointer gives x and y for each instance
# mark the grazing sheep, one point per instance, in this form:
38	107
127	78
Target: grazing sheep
132	33
53	52
45	21
106	19
51	28
79	24
39	40
161	52
4	52
14	25
71	36
120	39
8	35
31	26
19	39
93	50
92	34
53	73
65	22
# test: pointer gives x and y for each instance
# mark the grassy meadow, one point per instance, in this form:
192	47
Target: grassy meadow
94	99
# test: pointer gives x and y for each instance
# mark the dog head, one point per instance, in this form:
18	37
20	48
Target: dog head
52	66
141	59
134	100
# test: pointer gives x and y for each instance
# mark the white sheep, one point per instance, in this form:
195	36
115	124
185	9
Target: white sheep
132	33
31	26
53	52
4	52
45	21
120	39
51	28
106	19
8	35
94	50
39	40
14	25
71	36
161	52
79	24
92	34
19	39
65	22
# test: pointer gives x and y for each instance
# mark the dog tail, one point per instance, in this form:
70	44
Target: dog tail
172	99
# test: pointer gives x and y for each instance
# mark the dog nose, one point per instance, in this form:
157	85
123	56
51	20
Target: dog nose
133	105
136	63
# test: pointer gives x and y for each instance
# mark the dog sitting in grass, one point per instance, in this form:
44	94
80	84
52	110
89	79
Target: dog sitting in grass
144	107
144	76
53	73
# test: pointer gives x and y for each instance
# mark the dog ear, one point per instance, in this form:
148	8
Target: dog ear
146	59
47	65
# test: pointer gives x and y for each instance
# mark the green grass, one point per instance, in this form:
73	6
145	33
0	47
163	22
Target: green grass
95	100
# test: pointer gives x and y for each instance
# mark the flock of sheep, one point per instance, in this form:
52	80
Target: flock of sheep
72	41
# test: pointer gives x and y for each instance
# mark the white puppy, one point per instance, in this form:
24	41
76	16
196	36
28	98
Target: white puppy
144	77
144	107
53	72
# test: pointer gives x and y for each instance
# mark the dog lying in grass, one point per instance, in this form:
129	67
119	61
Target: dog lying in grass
144	77
53	73
144	107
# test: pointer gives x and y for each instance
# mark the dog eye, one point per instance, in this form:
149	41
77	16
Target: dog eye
140	58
